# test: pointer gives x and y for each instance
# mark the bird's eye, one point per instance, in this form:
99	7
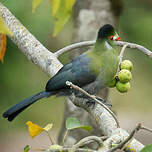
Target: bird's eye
111	37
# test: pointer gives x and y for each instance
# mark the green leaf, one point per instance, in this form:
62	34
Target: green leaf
62	12
35	4
73	123
147	148
26	148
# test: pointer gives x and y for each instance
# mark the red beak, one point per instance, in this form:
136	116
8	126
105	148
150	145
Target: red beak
118	39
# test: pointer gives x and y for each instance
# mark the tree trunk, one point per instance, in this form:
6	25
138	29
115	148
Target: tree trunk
89	16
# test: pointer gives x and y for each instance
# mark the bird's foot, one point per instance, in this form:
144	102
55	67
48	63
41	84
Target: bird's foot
103	101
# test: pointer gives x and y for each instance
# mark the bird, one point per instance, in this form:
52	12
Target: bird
91	71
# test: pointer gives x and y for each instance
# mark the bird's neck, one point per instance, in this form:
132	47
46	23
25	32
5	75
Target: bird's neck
102	45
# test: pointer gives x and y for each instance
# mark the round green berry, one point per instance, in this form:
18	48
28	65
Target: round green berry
124	76
112	83
126	64
122	87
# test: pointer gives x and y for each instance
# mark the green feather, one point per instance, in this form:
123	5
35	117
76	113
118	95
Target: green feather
105	60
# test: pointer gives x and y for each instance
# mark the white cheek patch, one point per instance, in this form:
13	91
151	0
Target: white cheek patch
108	46
115	37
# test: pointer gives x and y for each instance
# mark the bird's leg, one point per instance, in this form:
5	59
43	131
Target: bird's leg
103	101
92	102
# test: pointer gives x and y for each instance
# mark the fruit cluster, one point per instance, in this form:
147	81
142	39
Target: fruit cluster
122	80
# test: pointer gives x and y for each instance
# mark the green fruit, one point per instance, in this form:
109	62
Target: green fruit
122	87
124	76
112	83
126	64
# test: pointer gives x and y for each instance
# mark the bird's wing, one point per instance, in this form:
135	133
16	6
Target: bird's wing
77	72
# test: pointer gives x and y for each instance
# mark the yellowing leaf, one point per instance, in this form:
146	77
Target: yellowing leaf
54	6
3	28
35	4
34	129
69	4
2	47
62	15
48	127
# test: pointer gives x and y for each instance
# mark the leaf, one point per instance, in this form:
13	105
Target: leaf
26	148
54	147
3	28
62	15
54	6
48	127
147	148
73	123
34	129
35	4
2	47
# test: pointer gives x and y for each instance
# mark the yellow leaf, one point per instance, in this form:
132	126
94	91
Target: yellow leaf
62	15
34	129
35	4
69	4
2	47
3	28
48	127
54	6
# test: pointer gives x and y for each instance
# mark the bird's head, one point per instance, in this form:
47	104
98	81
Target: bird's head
107	33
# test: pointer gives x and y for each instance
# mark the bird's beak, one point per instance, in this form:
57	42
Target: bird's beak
116	37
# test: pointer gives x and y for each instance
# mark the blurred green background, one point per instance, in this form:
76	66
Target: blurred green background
19	78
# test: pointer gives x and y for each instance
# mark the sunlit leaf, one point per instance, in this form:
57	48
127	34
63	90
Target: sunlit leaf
26	148
48	127
54	147
34	129
3	28
62	15
147	148
73	123
35	4
54	6
2	47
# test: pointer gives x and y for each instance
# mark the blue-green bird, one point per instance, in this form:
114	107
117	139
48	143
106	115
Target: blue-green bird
92	71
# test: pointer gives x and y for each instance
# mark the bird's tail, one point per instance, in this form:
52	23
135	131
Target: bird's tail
11	113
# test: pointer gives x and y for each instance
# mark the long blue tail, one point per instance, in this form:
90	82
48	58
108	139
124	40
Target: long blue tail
11	113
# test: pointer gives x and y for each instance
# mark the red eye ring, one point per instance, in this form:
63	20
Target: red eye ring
111	37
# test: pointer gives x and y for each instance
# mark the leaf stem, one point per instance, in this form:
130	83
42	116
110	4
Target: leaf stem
65	135
52	142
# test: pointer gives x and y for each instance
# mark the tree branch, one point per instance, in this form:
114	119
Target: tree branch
120	57
29	45
86	141
93	98
48	62
91	43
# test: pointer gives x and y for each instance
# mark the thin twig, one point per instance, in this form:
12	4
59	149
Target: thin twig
147	129
65	135
121	145
135	46
73	46
52	142
87	140
90	43
69	150
121	56
93	98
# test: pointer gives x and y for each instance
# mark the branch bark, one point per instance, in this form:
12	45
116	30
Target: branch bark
48	62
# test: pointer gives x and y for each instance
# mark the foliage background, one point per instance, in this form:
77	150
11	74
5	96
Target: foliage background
19	78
